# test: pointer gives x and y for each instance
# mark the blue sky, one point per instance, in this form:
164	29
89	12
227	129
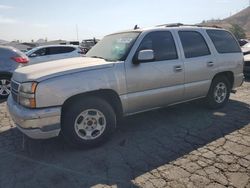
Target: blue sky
57	19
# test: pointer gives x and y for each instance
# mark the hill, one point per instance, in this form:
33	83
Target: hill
3	41
241	18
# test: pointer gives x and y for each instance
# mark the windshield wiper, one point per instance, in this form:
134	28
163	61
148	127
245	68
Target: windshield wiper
97	57
102	58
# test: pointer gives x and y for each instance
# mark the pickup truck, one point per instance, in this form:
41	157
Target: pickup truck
125	73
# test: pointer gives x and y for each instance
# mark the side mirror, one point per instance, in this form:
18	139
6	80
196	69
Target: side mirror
33	55
144	56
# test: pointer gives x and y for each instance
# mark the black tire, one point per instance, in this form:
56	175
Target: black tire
212	99
3	91
74	109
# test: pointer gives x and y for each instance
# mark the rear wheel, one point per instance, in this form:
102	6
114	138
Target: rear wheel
219	92
89	122
4	86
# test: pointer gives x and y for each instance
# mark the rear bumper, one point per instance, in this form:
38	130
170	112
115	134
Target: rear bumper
247	71
238	80
35	123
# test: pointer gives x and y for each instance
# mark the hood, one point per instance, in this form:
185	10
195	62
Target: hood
43	71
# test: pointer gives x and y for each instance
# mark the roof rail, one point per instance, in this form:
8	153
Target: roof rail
215	26
192	25
170	25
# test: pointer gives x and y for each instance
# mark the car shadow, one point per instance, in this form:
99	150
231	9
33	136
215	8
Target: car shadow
3	100
142	143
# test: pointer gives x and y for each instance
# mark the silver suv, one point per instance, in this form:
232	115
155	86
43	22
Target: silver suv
125	73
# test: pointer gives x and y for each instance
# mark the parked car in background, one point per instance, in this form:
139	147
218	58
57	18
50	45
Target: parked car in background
246	52
125	73
246	49
53	52
243	42
87	44
246	68
10	59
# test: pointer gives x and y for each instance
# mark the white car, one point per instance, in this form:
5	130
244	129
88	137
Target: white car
246	49
53	52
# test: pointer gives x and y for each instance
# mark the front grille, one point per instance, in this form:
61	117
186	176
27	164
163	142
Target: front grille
15	90
247	63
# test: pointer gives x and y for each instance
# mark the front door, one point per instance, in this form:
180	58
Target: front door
158	82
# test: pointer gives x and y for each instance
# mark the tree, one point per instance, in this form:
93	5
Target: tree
238	31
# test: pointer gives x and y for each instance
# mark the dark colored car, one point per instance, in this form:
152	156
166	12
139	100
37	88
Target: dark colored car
246	69
10	59
88	44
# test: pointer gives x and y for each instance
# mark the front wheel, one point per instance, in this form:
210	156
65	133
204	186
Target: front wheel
4	86
89	122
219	93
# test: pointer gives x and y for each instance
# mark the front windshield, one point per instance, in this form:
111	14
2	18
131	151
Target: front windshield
31	51
114	47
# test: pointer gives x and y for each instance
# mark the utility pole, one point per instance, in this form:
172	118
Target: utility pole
77	32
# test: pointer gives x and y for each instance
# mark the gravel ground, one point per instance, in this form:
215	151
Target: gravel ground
185	145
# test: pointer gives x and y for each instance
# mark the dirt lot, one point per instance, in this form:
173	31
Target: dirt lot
181	146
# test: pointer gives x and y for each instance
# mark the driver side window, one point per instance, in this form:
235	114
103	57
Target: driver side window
41	52
162	43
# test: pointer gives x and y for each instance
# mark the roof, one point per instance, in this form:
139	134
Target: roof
171	27
57	45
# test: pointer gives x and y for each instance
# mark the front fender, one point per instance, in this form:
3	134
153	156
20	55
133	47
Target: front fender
55	91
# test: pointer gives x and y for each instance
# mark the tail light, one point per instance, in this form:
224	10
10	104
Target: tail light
20	59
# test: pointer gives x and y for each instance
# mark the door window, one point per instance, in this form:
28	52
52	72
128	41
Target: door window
41	52
60	50
194	44
162	43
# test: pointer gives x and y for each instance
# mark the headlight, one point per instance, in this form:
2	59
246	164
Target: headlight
27	94
28	87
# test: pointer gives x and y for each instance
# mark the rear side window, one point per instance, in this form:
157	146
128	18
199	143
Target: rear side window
223	41
194	45
60	50
162	43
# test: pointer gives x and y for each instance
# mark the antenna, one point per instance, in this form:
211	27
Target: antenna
136	27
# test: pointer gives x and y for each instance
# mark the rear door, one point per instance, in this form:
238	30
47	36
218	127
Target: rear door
199	63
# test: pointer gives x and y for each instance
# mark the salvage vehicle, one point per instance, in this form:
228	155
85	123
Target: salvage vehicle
123	74
10	59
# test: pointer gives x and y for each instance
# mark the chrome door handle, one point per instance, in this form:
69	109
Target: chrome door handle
177	68
210	64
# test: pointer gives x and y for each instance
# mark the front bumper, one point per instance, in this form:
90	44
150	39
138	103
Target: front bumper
35	123
238	80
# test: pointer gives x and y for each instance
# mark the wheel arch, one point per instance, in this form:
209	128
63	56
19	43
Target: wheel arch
108	95
4	73
229	75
